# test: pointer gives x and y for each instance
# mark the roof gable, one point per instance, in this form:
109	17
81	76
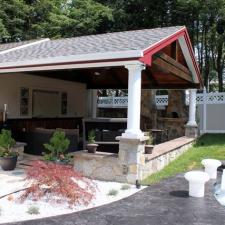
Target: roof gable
92	44
95	50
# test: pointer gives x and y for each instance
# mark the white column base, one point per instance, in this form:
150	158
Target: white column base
133	134
191	124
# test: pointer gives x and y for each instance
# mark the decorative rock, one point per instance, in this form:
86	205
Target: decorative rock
197	180
211	166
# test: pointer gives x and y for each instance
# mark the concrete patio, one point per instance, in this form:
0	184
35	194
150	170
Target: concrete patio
164	203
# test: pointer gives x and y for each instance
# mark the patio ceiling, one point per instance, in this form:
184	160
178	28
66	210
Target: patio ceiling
100	60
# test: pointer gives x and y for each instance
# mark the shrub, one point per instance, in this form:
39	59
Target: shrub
6	144
56	148
150	140
91	137
125	187
58	183
113	192
33	210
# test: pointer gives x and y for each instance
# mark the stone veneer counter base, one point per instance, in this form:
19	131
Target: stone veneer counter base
130	163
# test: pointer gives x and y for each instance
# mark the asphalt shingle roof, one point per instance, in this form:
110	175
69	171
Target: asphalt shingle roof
102	43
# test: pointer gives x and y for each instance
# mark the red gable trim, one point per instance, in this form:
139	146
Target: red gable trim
148	53
147	58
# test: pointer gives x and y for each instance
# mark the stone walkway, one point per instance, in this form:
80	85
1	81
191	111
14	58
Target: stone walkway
166	203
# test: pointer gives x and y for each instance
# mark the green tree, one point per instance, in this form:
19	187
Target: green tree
88	17
13	17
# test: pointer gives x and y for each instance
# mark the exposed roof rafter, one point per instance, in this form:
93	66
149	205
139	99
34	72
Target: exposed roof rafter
167	63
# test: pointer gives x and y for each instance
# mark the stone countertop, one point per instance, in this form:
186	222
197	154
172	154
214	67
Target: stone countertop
168	146
100	155
20	144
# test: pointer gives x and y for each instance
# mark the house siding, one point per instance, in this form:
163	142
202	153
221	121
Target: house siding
10	85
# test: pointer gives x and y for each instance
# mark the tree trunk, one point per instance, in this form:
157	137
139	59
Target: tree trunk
219	63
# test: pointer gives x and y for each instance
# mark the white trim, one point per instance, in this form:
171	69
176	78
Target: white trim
188	58
69	66
212	132
24	46
76	58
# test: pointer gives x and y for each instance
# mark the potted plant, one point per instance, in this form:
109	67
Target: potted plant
91	145
8	157
149	143
57	147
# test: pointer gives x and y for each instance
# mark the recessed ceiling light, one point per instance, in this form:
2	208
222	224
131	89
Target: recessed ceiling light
97	73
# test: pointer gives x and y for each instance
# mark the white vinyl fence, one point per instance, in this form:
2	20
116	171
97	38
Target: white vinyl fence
210	109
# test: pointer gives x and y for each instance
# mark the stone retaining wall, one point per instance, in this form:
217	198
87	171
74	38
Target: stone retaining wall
159	162
131	163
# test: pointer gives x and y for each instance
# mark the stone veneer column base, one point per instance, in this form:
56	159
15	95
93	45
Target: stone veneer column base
125	167
131	156
191	131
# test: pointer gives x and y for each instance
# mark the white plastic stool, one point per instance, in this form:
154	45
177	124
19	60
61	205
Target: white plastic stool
197	180
211	166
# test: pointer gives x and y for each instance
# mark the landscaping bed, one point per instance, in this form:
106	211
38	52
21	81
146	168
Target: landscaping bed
13	210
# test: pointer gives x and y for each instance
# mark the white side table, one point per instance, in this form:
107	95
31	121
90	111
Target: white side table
211	166
197	180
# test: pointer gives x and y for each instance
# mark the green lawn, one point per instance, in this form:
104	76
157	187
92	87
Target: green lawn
207	146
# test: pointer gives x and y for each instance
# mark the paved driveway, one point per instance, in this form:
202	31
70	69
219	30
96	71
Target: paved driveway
163	203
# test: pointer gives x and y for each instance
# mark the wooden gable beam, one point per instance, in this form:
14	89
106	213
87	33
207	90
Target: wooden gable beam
167	63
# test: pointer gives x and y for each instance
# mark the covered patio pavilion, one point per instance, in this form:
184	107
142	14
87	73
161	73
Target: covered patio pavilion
160	58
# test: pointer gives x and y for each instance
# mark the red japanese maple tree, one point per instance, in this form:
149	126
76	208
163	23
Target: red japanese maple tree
59	183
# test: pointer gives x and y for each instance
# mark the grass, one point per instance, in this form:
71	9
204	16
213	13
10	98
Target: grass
33	210
113	192
125	187
207	146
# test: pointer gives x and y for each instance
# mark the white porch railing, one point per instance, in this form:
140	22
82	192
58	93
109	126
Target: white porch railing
112	102
161	100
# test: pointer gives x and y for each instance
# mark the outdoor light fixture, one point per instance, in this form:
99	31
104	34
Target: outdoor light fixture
138	184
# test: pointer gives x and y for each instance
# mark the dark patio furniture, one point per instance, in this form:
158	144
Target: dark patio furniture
36	139
106	131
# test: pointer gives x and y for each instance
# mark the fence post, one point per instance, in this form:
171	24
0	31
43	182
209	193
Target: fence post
113	102
204	109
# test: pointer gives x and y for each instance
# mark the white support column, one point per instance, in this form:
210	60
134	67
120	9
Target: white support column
192	108
134	101
94	103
